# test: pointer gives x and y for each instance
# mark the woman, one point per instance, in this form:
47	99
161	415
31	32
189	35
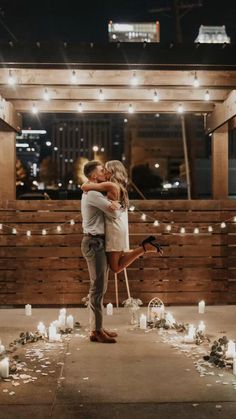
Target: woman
117	230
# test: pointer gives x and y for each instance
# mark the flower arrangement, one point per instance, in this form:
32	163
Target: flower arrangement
134	305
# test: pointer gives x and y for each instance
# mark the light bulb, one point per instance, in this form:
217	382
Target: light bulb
44	232
28	233
73	77
196	230
155	97
34	109
234	219
11	80
156	223
14	231
143	217
80	107
46	95
58	229
95	148
210	229
180	108
182	230
131	109
196	81
168	227
134	80
223	225
132	208
0	226
101	95
72	222
207	95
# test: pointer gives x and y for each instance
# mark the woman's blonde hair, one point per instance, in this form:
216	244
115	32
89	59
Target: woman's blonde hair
119	176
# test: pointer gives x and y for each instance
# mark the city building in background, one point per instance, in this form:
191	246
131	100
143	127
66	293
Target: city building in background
212	35
29	144
78	140
134	32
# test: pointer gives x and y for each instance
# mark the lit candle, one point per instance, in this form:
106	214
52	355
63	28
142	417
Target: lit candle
201	327
61	321
170	319
4	368
2	348
52	332
231	353
28	310
63	311
234	366
159	311
70	322
189	338
201	307
109	309
41	328
143	321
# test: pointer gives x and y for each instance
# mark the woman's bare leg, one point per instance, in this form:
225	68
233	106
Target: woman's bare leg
120	260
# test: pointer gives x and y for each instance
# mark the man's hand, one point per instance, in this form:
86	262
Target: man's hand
114	205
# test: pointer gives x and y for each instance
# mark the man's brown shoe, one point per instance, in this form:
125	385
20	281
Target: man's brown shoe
110	333
101	337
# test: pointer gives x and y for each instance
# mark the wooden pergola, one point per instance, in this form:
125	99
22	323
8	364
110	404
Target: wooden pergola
117	78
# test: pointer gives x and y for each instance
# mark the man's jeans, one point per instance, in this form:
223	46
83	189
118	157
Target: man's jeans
93	250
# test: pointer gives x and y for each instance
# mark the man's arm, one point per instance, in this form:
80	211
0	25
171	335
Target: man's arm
96	199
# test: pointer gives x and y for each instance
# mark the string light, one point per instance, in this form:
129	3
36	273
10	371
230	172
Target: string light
0	226
234	219
155	97
196	81
180	108
34	109
143	217
131	109
80	107
46	95
58	229
73	77
168	227
222	225
72	222
14	231
182	230
156	223
207	95
210	229
28	233
11	80
196	230
134	80
101	95
132	208
44	232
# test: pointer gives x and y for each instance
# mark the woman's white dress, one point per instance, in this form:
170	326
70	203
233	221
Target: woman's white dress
117	233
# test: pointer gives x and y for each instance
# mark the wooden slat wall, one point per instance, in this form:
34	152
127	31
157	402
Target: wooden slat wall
50	270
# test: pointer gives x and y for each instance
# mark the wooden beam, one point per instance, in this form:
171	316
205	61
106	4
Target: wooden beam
111	93
111	106
7	165
220	163
156	78
10	120
222	113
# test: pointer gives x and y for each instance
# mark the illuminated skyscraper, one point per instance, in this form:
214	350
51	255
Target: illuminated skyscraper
134	32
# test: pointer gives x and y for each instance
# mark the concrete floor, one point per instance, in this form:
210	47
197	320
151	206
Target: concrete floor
142	375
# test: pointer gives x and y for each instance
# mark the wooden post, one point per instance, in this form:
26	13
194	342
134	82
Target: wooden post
7	165
220	163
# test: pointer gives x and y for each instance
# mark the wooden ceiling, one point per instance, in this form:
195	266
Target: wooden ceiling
112	78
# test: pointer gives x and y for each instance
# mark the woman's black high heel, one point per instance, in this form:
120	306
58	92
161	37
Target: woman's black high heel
151	240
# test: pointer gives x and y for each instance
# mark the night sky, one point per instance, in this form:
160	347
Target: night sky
87	20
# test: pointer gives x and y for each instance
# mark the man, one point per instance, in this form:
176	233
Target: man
94	205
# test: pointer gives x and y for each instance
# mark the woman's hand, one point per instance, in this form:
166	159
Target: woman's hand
84	186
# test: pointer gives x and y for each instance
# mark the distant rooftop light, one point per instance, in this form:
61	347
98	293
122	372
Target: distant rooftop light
34	131
212	34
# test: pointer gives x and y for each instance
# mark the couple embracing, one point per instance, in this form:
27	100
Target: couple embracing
105	243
